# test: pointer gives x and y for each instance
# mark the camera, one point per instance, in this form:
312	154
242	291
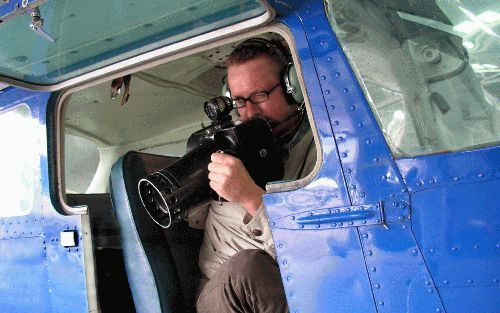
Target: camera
169	194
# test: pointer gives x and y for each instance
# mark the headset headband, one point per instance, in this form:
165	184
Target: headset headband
272	47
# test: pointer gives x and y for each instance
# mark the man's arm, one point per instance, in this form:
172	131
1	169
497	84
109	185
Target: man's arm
230	179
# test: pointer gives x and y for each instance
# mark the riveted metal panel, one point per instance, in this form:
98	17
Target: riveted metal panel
323	271
456	221
61	285
332	218
451	169
457	227
327	190
318	266
459	234
400	279
482	299
371	176
66	266
20	227
370	171
24	280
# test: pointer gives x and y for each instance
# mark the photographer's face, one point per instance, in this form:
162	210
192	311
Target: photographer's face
258	75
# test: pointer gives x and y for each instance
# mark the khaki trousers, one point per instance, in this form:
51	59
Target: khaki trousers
249	282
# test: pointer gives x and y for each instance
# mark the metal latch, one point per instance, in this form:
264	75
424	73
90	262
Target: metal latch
351	216
69	238
37	24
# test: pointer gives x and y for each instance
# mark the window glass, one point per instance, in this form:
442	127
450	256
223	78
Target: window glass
91	34
81	164
430	71
18	160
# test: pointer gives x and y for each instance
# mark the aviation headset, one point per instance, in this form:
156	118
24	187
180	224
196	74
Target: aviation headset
288	77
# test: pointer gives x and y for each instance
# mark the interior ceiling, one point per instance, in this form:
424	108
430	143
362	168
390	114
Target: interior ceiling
164	97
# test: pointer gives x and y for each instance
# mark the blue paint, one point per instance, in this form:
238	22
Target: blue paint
451	169
395	265
458	232
461	216
482	299
314	267
323	264
15	7
24	275
339	217
37	234
332	218
456	223
402	277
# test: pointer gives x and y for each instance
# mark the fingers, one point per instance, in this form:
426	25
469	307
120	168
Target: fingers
216	177
229	178
218	168
215	186
225	164
224	158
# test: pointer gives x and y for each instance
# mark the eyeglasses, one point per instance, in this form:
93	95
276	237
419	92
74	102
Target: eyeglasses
254	98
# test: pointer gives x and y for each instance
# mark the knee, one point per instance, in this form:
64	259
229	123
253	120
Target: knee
249	280
248	263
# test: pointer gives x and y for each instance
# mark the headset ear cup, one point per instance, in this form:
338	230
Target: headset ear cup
225	91
225	88
290	82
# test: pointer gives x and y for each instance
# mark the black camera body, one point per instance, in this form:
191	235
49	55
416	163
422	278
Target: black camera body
171	192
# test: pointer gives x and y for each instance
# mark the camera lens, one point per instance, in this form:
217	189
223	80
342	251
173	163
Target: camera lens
218	108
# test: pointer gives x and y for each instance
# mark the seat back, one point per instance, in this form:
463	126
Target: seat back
161	265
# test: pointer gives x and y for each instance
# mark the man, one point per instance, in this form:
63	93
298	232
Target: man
237	254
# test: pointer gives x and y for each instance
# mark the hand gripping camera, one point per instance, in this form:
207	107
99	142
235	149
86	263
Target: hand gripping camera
169	194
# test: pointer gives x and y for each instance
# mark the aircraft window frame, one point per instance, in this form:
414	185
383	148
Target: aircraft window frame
153	26
430	95
18	166
59	111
